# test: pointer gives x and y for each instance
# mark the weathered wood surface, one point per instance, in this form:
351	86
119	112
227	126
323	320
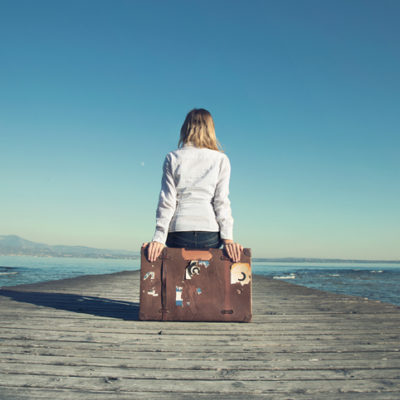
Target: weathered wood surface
80	339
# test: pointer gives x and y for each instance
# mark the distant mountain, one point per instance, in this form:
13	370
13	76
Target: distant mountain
11	245
15	245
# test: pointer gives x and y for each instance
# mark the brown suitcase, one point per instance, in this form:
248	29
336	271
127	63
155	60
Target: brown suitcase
195	285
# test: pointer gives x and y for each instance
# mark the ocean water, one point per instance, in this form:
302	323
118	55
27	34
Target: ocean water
17	270
378	281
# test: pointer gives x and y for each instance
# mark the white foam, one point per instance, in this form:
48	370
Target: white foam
291	276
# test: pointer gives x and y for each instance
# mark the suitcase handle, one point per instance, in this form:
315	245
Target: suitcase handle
202	255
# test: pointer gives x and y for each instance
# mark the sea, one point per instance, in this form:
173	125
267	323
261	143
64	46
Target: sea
377	281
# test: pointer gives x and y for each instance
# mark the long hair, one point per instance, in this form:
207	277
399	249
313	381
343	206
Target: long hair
198	129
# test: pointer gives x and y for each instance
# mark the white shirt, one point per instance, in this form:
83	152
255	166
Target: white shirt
194	193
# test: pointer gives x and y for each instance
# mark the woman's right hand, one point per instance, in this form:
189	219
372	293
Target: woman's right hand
233	249
154	249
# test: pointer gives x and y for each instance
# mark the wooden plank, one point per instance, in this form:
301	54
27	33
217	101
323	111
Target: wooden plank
12	352
276	363
114	383
66	394
70	326
224	348
196	339
180	371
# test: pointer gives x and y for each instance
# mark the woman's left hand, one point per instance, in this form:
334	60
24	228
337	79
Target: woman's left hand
233	249
154	249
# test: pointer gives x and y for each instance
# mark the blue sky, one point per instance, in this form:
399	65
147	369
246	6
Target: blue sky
305	97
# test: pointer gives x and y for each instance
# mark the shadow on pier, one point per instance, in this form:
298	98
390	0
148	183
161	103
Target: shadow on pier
98	306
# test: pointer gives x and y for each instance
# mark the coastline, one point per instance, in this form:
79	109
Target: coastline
374	281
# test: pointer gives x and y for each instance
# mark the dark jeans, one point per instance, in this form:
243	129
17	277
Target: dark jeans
194	240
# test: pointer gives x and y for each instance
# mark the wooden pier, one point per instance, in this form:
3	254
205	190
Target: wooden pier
80	338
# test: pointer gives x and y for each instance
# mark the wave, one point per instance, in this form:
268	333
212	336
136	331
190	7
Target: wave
4	270
291	276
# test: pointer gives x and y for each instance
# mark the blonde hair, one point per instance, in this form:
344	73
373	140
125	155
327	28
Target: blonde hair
198	129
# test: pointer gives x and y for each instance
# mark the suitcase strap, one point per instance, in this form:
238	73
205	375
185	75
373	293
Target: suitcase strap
163	290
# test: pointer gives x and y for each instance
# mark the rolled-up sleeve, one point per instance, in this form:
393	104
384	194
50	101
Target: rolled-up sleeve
221	202
166	203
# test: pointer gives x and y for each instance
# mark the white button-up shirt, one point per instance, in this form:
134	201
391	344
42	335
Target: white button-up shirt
194	193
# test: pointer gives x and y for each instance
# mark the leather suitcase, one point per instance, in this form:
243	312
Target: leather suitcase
195	285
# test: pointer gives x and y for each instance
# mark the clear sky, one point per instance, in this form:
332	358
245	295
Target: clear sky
305	96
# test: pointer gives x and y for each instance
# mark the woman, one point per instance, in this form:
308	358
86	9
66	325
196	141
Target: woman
194	209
